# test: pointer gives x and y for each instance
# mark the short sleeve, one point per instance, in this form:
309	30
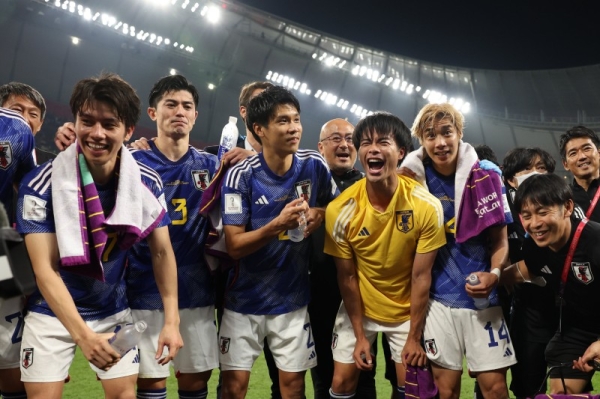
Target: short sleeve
337	220
235	198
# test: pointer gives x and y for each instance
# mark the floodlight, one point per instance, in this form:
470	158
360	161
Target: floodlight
318	93
308	92
211	86
213	14
173	71
75	40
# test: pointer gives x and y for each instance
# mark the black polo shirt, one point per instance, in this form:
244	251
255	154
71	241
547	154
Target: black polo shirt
582	290
584	198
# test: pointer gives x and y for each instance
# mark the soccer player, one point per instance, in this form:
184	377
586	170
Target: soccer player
16	159
384	232
475	219
186	173
579	153
27	101
564	250
79	258
264	196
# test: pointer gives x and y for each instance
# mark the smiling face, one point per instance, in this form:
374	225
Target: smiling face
283	132
335	145
31	112
582	158
548	225
175	113
441	140
379	156
100	135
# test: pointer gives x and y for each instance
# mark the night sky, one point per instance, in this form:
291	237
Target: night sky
483	34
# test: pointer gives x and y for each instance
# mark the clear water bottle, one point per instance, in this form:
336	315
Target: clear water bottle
127	337
480	303
229	137
297	234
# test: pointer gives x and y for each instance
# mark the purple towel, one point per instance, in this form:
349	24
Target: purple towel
419	383
482	204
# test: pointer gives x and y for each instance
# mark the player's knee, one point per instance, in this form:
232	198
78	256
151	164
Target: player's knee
497	390
447	392
341	384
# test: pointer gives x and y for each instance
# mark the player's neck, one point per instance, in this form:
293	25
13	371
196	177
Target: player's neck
381	193
277	163
585	182
252	141
173	147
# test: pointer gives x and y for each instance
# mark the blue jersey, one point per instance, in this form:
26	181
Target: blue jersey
16	154
454	261
94	299
274	279
184	183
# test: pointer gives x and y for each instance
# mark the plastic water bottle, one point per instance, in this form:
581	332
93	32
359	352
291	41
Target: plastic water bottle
127	337
480	303
229	137
297	234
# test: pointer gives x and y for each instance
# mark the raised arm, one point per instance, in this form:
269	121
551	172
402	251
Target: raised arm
43	252
165	273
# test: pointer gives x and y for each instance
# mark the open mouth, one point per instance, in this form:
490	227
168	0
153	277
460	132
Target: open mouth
375	165
343	156
97	147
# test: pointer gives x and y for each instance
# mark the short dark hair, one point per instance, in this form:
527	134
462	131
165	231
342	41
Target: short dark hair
520	158
575	133
262	108
485	152
544	190
110	89
168	84
22	89
248	89
383	123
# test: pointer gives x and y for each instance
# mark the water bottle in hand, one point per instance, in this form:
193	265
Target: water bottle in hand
480	303
297	234
127	337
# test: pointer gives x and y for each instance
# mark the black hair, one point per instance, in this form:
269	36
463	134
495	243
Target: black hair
520	158
21	89
168	84
544	190
384	124
575	133
111	90
262	108
484	152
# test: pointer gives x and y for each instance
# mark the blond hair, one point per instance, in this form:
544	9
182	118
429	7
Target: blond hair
432	113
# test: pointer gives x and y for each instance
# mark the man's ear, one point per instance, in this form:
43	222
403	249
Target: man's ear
152	113
569	207
129	133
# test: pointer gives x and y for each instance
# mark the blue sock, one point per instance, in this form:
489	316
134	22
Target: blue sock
400	392
334	395
13	395
201	394
152	393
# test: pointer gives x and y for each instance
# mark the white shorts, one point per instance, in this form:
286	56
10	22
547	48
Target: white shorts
481	335
199	332
48	349
11	331
343	340
289	337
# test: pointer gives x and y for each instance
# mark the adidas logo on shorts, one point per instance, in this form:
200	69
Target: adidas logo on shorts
508	352
364	232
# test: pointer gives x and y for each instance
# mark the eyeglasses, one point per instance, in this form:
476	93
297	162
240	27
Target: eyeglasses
337	140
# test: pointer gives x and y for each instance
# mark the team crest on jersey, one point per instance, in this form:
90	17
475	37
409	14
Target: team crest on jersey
26	357
201	179
404	221
431	347
303	189
224	344
5	154
583	271
334	339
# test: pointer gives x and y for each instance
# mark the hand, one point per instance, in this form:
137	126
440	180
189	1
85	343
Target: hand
404	171
65	136
236	155
487	282
413	353
141	144
584	362
171	338
98	351
362	355
289	218
314	219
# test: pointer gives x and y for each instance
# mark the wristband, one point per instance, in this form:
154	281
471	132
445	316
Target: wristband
497	272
